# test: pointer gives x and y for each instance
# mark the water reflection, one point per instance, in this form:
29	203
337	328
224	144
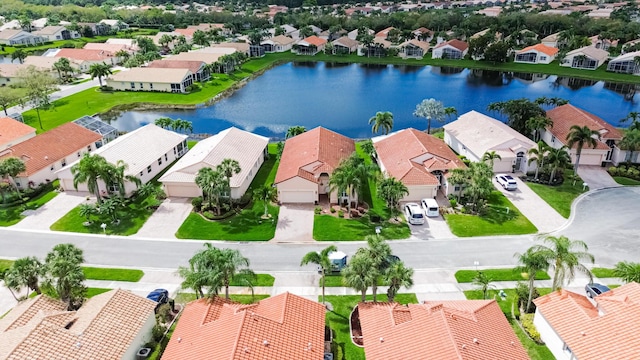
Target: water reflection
626	90
446	70
477	77
529	78
573	83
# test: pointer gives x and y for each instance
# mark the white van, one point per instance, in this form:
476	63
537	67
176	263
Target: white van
430	207
414	214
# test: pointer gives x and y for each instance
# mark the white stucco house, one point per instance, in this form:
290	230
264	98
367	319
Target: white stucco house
278	43
420	161
54	33
249	150
309	46
625	64
19	37
587	57
536	54
152	79
473	134
452	49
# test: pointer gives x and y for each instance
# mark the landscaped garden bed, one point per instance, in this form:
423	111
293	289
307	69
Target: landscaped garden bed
31	199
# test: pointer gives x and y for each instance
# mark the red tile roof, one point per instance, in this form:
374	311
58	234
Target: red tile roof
468	329
551	51
590	333
384	32
460	45
52	146
11	130
186	32
312	153
565	116
285	326
85	54
410	156
192	65
314	40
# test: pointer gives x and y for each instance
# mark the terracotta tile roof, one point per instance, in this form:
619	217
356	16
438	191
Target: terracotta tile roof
590	333
105	327
52	146
85	54
312	153
417	43
314	40
551	51
384	32
192	65
109	48
460	45
186	32
468	329
346	42
285	326
410	156
565	116
280	39
11	130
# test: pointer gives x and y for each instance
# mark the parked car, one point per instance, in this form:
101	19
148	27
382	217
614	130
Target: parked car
161	296
595	289
507	181
431	208
414	214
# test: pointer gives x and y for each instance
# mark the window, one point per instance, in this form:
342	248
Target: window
151	86
174	151
89	148
133	85
64	162
553	139
141	86
566	349
78	153
166	158
543	58
113	188
159	161
53	167
148	169
141	173
18	183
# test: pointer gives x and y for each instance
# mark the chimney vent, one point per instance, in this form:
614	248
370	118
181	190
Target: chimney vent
381	339
475	340
265	343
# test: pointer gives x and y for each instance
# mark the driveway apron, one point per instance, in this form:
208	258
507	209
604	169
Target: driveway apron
52	211
167	219
295	223
596	177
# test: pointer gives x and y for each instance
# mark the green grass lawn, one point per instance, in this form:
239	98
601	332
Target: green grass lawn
13	215
330	228
467	276
5	264
184	298
191	143
626	181
560	197
495	222
603	272
336	281
95	273
338	321
261	280
91	292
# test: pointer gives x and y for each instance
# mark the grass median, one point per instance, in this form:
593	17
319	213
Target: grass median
96	273
511	274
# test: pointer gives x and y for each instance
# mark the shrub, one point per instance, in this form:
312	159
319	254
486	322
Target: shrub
354	213
340	213
633	173
613	171
333	210
189	88
106	88
157	332
164	313
196	202
317	210
529	328
453	202
209	215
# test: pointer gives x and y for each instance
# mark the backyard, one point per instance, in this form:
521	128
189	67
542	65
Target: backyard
560	197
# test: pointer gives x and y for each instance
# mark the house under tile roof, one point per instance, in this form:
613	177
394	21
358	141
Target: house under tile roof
565	116
12	130
106	327
285	326
462	329
85	54
312	40
460	45
152	75
410	156
280	39
551	51
192	65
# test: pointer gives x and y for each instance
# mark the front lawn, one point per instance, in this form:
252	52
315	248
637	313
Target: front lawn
496	221
561	196
338	321
261	280
603	272
626	181
5	264
467	276
95	273
91	292
12	215
330	228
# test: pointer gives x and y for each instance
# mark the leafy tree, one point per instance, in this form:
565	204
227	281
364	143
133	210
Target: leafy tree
558	160
477	184
10	168
294	131
392	190
202	273
88	170
232	265
86	210
430	109
490	156
634	117
564	256
483	282
99	71
358	274
163	122
531	261
382	122
497	52
538	154
63	271
630	142
306	31
628	271
200	38
267	194
351	176
146	45
536	124
63	67
9	96
166	39
581	136
24	272
20	55
518	112
39	85
322	260
397	275
110	208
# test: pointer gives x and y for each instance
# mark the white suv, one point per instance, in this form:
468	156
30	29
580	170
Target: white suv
507	181
414	214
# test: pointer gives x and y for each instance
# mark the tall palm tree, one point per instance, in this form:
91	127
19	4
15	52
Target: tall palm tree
322	260
228	168
213	184
163	122
64	272
63	67
116	177
536	124
99	71
267	194
634	117
564	256
392	190
490	156
343	179
294	131
557	159
88	170
538	154
232	265
450	111
397	275
25	272
531	261
627	271
358	275
382	122
430	109
630	142
581	136
10	168
200	38
378	251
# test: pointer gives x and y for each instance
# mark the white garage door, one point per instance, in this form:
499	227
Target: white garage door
302	196
590	159
182	191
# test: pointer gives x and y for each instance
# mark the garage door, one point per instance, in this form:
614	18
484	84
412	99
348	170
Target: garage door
303	196
590	159
182	191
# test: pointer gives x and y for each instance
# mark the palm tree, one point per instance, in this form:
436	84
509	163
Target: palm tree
294	131
123	55
163	122
165	40
117	178
228	168
64	272
558	159
483	281
232	265
628	271
397	275
450	112
10	168
634	116
538	154
518	112
88	170
537	123
86	210
213	185
322	260
581	136
630	142
490	156
63	66
564	256
430	109
378	251
383	121
19	54
267	194
392	190
99	71
358	275
24	272
531	261
202	272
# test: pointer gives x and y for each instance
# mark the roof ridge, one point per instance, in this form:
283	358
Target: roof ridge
109	295
449	331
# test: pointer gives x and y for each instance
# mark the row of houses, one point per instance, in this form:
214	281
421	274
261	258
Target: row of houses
12	32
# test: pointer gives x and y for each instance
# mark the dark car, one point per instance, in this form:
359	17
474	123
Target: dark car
595	289
161	296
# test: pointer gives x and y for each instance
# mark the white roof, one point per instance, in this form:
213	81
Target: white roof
128	42
216	50
591	52
337	255
13	24
627	56
244	147
480	133
139	148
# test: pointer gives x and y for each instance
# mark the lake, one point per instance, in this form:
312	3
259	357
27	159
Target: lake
343	97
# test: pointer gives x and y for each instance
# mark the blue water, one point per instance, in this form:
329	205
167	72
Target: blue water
344	97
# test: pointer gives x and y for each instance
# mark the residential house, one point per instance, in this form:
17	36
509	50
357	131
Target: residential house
13	132
161	148
384	33
285	326
278	43
9	25
600	13
536	54
310	45
625	64
211	27
353	34
249	150
98	126
492	11
207	57
84	58
473	134
454	329
238	46
152	79
452	49
44	62
422	34
378	48
115	24
111	48
306	164
199	69
9	73
420	161
48	152
38	24
19	37
345	45
112	325
587	57
631	46
97	29
413	49
55	33
551	40
574	327
565	116
187	33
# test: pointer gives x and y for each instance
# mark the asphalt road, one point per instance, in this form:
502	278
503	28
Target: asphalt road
607	220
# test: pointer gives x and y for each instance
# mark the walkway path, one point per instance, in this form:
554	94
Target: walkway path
52	211
167	219
295	224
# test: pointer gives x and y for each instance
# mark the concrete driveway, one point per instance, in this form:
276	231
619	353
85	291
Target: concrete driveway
596	177
295	224
167	219
52	211
433	228
541	214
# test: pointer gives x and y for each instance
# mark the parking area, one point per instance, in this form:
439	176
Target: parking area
433	228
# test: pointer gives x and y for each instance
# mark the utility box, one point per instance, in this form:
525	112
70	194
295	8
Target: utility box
143	354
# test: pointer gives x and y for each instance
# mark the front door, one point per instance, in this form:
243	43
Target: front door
519	160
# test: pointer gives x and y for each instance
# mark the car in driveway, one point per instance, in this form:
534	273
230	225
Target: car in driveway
414	214
507	181
595	289
431	208
161	296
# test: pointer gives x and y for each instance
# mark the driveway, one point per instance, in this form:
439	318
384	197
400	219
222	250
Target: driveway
52	211
543	216
596	177
295	224
167	219
433	228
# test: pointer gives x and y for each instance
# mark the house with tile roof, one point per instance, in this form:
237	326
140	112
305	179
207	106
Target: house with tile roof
574	327
199	69
11	73
345	45
207	57
420	161
19	37
565	116
278	43
48	152
625	64
452	49
306	164
117	25
249	150
238	46
152	79
84	58
285	326
147	151
422	34
13	132
56	33
414	49
551	40
384	33
309	46
587	57
456	329
536	54
112	325
473	134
